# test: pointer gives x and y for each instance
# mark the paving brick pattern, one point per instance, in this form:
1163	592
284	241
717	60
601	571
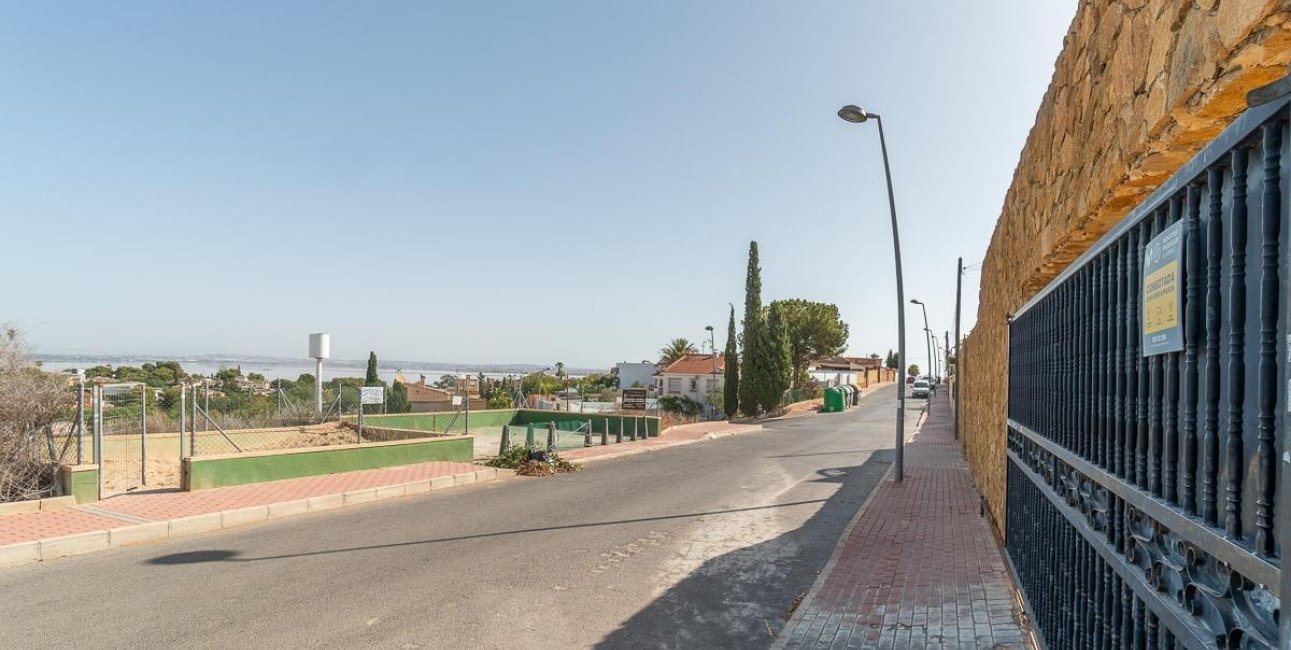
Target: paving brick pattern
161	506
920	569
28	526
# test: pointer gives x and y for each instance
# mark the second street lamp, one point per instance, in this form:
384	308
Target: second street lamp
857	115
925	333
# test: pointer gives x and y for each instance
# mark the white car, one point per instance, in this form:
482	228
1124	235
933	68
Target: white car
921	388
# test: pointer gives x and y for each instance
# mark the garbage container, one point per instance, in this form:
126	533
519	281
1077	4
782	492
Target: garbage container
833	402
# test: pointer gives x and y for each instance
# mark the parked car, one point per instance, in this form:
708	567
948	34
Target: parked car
921	388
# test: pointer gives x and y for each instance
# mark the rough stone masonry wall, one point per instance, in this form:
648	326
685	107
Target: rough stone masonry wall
1140	86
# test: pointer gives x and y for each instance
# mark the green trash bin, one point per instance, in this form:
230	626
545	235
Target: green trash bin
833	400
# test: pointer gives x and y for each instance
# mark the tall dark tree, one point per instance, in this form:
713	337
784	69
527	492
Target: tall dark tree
778	364
892	361
753	373
372	378
731	387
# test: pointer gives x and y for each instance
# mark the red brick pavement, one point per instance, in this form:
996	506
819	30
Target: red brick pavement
920	567
160	506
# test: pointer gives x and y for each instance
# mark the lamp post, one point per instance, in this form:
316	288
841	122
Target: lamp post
857	115
925	332
712	346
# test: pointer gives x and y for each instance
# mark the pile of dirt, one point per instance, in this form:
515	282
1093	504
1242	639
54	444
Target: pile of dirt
322	435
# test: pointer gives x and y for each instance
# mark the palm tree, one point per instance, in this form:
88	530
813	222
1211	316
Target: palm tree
560	368
676	349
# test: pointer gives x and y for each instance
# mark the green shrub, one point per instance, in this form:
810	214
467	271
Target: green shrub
517	457
680	405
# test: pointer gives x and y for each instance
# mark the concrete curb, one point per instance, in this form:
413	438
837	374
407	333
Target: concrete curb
158	531
36	505
781	639
680	443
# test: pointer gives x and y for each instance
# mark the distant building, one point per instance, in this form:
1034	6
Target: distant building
427	399
694	376
631	375
833	371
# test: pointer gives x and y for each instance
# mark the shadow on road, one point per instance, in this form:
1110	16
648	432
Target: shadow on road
742	598
739	599
222	555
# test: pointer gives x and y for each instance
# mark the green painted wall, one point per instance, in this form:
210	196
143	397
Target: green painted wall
536	417
202	473
438	421
497	418
81	481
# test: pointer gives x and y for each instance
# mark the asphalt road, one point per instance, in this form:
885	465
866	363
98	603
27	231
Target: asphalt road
699	546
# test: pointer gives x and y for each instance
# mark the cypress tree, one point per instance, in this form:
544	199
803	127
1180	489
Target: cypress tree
731	387
752	374
372	379
778	364
398	402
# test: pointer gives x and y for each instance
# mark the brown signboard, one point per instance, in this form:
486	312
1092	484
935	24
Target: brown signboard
634	399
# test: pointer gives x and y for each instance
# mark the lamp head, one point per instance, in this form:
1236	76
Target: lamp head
708	328
914	301
853	113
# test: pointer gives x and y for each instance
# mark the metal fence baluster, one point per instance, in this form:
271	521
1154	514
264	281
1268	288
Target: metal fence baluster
1271	221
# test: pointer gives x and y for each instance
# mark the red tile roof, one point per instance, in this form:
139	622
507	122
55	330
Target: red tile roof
695	364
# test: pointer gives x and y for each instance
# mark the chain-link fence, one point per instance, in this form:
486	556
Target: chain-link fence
219	427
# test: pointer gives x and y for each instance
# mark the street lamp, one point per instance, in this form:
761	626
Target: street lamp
712	346
857	115
925	333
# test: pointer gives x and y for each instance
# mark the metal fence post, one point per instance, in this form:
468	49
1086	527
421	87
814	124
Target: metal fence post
551	436
80	422
183	420
605	431
618	437
97	409
506	439
143	434
528	436
587	435
634	429
192	426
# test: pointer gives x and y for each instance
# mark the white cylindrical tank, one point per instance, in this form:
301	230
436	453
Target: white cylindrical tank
320	346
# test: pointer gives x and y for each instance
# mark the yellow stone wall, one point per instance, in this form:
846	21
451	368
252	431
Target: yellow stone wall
1140	86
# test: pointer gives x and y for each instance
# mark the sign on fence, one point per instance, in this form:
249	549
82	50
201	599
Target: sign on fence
1162	283
372	395
634	399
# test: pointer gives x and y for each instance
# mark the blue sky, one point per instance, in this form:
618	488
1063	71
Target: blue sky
496	181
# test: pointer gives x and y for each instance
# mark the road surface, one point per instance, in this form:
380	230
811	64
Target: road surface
699	546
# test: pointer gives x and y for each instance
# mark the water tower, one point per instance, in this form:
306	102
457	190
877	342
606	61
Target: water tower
320	347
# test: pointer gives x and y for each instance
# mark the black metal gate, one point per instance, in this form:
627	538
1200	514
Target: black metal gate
1143	503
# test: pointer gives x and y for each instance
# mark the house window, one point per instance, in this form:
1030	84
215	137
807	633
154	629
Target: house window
694	384
674	384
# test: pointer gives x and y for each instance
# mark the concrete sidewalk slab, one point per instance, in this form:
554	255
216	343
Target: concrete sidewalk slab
143	518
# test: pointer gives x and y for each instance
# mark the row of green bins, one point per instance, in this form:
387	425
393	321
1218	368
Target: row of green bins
835	400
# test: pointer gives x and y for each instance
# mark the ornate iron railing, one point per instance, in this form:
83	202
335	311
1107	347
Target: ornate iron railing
1143	501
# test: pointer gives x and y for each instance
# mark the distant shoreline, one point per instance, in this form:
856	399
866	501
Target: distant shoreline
282	368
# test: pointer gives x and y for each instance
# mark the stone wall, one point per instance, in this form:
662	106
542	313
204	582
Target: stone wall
1140	86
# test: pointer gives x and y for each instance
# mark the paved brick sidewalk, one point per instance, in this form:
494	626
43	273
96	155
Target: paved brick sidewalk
129	509
678	435
919	567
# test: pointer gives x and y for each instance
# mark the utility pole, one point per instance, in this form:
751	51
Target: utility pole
959	359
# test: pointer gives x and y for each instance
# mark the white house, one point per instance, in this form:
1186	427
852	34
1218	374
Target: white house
694	376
